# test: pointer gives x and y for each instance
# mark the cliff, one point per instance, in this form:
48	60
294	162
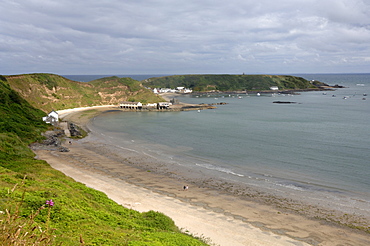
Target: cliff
50	91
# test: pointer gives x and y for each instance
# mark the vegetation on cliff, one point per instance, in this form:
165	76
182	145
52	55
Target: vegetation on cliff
230	82
19	121
41	206
50	91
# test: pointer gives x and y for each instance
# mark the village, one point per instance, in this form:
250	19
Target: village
179	89
160	105
170	105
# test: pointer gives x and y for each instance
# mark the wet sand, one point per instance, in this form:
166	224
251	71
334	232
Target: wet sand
224	218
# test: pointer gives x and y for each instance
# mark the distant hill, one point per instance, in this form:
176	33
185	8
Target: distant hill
50	91
227	82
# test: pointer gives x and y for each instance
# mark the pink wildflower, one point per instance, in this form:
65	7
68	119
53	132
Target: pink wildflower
50	202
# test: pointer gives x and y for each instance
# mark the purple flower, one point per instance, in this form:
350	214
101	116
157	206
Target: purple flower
50	202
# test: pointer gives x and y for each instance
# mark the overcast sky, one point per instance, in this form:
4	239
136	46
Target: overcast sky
184	36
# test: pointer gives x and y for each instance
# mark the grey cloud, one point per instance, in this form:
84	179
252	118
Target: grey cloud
168	36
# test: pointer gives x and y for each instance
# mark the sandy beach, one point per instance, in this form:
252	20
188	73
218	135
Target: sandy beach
220	217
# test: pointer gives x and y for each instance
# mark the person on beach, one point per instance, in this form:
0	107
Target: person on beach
186	187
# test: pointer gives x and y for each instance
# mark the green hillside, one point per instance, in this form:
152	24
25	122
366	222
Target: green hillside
230	82
77	215
19	121
50	91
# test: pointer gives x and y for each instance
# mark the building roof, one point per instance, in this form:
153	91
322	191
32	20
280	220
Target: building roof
131	103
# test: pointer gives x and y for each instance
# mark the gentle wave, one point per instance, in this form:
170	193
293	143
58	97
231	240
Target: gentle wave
220	169
291	186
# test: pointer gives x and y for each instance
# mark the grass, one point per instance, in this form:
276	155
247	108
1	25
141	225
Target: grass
53	92
16	229
225	82
79	215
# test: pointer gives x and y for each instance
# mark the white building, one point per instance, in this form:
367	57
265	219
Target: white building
163	105
169	90
51	118
151	105
131	105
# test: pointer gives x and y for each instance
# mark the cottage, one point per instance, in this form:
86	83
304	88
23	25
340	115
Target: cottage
51	118
163	105
274	88
151	105
131	105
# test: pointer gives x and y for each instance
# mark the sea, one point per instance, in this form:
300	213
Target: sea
315	149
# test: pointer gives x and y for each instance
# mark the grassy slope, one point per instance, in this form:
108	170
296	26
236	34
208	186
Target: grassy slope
78	210
229	82
50	91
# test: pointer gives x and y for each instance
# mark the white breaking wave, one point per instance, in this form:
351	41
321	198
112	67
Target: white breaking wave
220	169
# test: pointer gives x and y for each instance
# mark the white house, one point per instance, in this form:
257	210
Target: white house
151	105
163	105
131	105
274	88
179	89
51	118
166	90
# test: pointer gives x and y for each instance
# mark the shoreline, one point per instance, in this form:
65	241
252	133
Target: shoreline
260	217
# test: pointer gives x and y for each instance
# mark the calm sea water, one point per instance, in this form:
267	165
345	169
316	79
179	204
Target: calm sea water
316	149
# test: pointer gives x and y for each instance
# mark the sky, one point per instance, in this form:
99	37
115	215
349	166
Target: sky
116	37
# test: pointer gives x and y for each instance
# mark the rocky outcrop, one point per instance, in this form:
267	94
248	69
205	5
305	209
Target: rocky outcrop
52	141
283	102
74	130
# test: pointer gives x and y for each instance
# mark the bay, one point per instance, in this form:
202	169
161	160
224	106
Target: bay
316	150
